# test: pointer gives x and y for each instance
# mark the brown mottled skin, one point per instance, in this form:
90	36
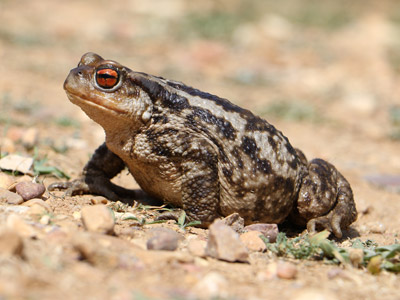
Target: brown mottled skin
200	152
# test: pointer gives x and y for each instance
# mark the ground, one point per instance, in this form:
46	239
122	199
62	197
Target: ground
325	73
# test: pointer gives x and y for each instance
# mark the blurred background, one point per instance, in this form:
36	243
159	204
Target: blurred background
326	73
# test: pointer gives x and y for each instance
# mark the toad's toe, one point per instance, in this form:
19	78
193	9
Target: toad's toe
331	222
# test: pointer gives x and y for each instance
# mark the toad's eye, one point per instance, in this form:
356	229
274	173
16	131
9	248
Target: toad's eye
107	78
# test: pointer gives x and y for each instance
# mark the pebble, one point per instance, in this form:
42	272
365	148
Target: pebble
98	218
163	239
18	209
337	273
77	215
197	247
37	210
286	270
30	138
40	202
15	133
10	197
98	200
128	232
252	241
7	145
45	220
90	249
356	257
224	243
268	273
29	190
212	286
11	243
270	231
6	181
377	227
235	221
18	180
16	223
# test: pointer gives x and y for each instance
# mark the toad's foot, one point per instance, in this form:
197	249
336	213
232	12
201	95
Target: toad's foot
325	200
98	186
176	215
75	187
333	222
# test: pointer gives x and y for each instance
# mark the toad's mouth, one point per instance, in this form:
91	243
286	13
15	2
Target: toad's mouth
98	103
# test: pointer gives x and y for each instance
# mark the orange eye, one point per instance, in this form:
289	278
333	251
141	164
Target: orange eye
107	78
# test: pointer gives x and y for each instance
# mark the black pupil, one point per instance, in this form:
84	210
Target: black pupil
106	76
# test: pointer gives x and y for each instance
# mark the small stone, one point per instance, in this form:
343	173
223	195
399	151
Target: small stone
16	223
30	138
10	197
37	210
98	218
98	200
6	181
45	220
15	133
356	257
18	209
39	202
57	236
336	273
128	232
197	248
224	243
212	286
163	239
270	231
268	273
66	224
377	228
7	145
11	243
24	178
77	215
14	162
252	241
235	221
18	180
29	190
90	249
286	270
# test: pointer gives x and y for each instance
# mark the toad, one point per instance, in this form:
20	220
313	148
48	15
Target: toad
200	152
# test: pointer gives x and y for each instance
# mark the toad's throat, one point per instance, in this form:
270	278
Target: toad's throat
99	103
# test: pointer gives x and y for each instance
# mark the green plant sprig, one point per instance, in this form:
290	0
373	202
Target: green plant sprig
375	258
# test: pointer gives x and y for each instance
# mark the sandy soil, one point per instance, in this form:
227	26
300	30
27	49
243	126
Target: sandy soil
327	75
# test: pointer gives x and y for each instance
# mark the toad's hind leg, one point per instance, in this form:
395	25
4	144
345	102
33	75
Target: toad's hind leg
325	199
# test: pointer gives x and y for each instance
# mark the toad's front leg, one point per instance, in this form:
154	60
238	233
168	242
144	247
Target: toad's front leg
325	199
96	176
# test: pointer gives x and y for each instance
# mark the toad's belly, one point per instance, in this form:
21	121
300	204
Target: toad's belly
162	181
